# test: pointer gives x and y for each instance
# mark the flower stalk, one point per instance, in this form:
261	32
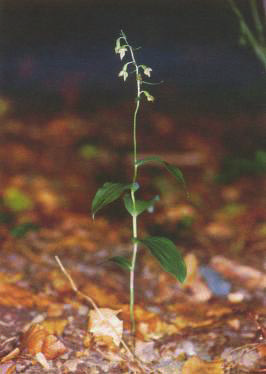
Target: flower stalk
147	71
164	250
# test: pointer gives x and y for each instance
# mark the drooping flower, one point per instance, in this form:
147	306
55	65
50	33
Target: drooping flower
147	71
149	97
122	51
124	74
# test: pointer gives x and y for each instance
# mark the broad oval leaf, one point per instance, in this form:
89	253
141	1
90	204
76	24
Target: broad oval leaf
121	261
140	205
171	168
169	257
108	193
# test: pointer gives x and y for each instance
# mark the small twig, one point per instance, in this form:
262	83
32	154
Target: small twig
90	300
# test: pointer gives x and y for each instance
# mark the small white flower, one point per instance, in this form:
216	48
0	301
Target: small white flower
149	97
123	74
122	51
147	71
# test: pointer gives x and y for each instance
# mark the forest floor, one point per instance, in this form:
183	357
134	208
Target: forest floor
215	323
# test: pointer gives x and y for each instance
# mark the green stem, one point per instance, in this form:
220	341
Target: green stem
132	276
134	224
259	50
134	217
257	20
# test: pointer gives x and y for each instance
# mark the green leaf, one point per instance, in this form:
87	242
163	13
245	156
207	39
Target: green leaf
169	257
108	193
140	205
22	229
122	262
171	168
16	200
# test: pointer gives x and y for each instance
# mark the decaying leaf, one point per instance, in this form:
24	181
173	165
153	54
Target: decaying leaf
246	275
10	278
197	366
42	360
248	357
198	289
53	347
100	295
219	231
87	340
37	339
12	295
55	326
197	315
106	325
59	282
145	351
148	324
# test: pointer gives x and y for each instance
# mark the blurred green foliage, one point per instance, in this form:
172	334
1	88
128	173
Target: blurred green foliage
234	167
21	230
16	200
89	151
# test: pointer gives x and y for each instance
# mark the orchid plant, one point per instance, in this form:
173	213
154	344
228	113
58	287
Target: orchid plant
163	249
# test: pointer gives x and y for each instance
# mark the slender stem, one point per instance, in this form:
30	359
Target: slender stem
259	50
132	276
135	139
134	216
257	20
134	224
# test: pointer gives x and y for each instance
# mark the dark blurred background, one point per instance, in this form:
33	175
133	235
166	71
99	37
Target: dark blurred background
60	54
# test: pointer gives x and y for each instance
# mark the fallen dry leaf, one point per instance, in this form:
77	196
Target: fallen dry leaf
219	231
195	365
55	326
10	278
148	324
33	339
52	347
199	291
262	350
37	339
192	269
246	275
42	360
146	351
12	295
59	282
106	325
48	304
247	357
197	314
87	340
55	310
101	296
